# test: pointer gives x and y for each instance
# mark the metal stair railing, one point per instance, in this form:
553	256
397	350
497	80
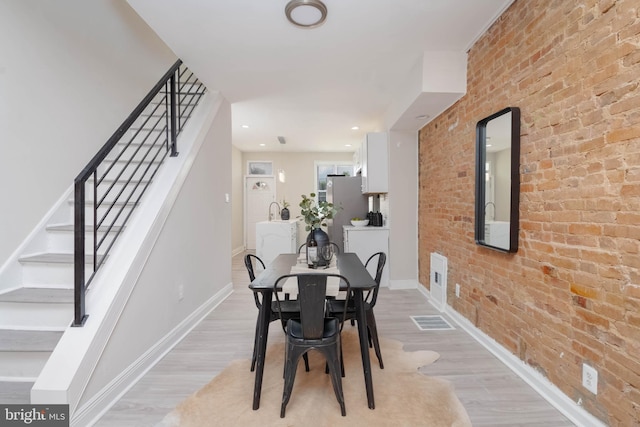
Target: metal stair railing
119	174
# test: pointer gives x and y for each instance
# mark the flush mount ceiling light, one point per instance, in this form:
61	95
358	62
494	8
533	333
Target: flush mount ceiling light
306	13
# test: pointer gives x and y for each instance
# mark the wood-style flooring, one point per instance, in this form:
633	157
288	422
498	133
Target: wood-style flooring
491	393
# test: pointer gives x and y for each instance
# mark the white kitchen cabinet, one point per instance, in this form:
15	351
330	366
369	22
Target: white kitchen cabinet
374	158
496	233
357	163
366	241
274	238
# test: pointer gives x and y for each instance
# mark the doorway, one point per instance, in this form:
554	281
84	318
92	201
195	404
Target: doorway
259	192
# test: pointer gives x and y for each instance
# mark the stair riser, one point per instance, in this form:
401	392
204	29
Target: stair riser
142	120
64	242
20	364
42	273
113	216
146	153
131	192
26	315
156	136
112	189
128	170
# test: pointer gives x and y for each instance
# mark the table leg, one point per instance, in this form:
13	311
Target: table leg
364	345
264	315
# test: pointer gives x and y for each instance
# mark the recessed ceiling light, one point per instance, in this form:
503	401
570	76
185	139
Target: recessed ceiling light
347	145
355	128
245	126
263	144
306	13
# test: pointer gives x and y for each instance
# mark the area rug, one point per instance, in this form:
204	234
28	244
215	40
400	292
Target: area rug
403	396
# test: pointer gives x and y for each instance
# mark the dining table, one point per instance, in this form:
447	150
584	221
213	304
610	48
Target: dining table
350	266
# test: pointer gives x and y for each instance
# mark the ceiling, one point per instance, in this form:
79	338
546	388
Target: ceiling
312	86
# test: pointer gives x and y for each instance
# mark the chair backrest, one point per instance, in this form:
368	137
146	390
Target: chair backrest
372	296
248	263
336	248
312	292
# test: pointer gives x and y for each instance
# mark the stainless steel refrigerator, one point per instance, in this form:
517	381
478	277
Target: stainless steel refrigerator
345	192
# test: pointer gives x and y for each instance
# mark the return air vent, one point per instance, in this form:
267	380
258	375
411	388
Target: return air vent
433	322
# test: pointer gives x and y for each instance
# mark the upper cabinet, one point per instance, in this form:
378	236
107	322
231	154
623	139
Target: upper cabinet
374	160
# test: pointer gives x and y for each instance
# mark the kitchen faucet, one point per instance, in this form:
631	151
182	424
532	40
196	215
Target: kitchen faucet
494	209
270	214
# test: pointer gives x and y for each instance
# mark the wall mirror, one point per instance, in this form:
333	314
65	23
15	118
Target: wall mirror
498	180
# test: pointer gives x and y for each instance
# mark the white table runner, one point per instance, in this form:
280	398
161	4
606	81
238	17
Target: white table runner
333	283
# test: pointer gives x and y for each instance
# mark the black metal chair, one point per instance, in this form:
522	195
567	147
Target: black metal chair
289	308
312	331
337	306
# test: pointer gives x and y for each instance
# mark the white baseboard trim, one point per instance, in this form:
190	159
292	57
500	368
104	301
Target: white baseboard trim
403	284
99	404
237	251
552	394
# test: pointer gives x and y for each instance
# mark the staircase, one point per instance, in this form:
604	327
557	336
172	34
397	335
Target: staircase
34	315
37	309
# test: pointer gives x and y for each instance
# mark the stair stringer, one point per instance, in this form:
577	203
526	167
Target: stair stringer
69	369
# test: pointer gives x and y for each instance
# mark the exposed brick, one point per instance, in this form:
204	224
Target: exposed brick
574	284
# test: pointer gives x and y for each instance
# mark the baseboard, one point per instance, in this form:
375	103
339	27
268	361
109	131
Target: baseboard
403	284
99	404
237	251
552	394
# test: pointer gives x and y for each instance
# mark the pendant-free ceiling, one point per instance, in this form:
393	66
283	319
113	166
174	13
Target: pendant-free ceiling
306	13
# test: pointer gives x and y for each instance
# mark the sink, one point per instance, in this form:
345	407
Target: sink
275	237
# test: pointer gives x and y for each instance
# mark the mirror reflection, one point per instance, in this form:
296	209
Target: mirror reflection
497	180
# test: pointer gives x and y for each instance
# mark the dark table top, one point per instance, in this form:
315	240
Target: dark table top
348	264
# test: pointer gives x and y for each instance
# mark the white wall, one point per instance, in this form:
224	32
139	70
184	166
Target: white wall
71	71
403	209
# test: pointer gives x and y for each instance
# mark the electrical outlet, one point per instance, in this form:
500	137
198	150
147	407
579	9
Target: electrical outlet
590	378
458	290
180	292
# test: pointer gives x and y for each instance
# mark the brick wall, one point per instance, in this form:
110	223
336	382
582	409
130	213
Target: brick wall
571	294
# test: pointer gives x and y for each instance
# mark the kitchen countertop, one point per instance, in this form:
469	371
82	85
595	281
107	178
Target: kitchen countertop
279	221
366	228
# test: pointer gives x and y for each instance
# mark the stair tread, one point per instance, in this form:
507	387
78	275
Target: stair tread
110	180
36	295
15	392
55	258
133	161
71	201
28	340
71	227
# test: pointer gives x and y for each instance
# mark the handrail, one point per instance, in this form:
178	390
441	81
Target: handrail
122	170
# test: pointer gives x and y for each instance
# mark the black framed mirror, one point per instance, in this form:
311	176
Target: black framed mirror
498	180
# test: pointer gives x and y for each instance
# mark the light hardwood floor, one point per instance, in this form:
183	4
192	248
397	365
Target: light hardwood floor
491	394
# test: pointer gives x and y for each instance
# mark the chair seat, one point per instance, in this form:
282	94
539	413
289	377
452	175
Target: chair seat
288	306
337	306
331	328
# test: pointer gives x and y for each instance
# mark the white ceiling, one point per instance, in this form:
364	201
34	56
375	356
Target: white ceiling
313	85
